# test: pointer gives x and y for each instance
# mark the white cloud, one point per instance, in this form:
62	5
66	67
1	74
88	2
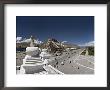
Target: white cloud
91	43
37	42
19	38
64	41
26	40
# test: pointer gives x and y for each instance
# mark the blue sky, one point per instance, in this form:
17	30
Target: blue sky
74	29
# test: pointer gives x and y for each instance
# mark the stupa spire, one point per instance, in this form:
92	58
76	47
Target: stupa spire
32	41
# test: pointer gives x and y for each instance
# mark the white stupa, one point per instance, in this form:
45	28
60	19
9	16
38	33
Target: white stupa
44	54
32	62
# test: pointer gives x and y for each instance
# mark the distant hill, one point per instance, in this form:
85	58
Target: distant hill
70	45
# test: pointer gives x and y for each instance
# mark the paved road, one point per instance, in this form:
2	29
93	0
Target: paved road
72	62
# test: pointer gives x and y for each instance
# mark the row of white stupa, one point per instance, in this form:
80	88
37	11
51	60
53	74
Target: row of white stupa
37	61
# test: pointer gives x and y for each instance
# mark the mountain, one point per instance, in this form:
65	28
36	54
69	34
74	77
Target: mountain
51	44
54	45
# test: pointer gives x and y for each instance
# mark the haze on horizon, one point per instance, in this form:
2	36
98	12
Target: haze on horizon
74	29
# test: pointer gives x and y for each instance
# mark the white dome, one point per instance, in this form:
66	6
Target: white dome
31	51
44	50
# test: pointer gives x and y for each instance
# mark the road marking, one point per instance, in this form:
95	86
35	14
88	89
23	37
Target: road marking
84	66
90	61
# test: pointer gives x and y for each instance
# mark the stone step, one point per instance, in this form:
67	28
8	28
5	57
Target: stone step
30	63
34	61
